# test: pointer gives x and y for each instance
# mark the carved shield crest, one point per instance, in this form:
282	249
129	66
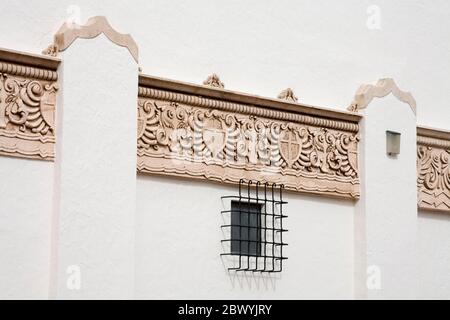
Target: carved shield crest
47	106
214	136
290	147
140	123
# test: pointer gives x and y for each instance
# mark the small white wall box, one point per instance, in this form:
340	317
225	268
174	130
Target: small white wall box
392	143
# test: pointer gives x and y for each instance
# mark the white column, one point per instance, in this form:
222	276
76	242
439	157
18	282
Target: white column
386	214
93	251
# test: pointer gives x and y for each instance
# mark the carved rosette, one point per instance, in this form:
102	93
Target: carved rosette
433	173
184	139
27	110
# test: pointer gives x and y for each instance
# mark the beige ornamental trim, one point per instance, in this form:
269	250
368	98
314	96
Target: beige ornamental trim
288	94
433	169
28	88
213	97
366	92
28	65
225	139
95	26
214	81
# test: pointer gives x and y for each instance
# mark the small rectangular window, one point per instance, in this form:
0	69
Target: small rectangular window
253	227
246	228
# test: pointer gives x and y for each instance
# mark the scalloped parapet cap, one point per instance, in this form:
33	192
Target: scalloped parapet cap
95	26
367	92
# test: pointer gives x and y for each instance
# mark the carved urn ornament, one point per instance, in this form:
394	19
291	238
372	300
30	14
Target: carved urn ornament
288	94
52	50
214	81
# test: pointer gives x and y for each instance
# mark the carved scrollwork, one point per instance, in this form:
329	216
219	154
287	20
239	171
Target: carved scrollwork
433	171
183	139
29	105
27	108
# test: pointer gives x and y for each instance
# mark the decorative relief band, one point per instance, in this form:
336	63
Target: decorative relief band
198	137
433	169
246	109
28	72
27	109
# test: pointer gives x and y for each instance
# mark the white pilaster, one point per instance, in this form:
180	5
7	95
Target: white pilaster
386	214
95	172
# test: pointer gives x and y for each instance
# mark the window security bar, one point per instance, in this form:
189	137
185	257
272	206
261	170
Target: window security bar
254	232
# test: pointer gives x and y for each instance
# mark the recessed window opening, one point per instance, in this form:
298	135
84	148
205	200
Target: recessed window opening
253	227
246	228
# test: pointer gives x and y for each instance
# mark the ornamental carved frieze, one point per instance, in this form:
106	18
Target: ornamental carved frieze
27	111
433	170
202	138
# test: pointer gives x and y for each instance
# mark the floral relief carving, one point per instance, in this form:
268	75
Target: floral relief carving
27	108
433	168
182	139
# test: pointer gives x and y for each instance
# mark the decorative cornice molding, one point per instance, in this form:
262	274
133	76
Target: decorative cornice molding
28	72
240	98
433	142
433	169
367	92
27	106
214	81
288	94
247	109
95	26
423	131
25	59
199	137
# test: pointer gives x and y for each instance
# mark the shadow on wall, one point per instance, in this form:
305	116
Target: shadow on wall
434	215
253	280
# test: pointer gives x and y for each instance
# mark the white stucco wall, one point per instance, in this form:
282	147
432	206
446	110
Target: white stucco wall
178	246
434	256
323	49
26	193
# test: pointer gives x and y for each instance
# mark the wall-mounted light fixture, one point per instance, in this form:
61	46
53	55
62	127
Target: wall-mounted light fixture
393	143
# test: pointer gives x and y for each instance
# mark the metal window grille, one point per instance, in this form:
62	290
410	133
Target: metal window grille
253	227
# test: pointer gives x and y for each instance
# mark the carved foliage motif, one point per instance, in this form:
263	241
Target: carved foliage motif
248	144
27	108
433	168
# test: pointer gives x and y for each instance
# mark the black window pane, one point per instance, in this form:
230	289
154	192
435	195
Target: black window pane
246	228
